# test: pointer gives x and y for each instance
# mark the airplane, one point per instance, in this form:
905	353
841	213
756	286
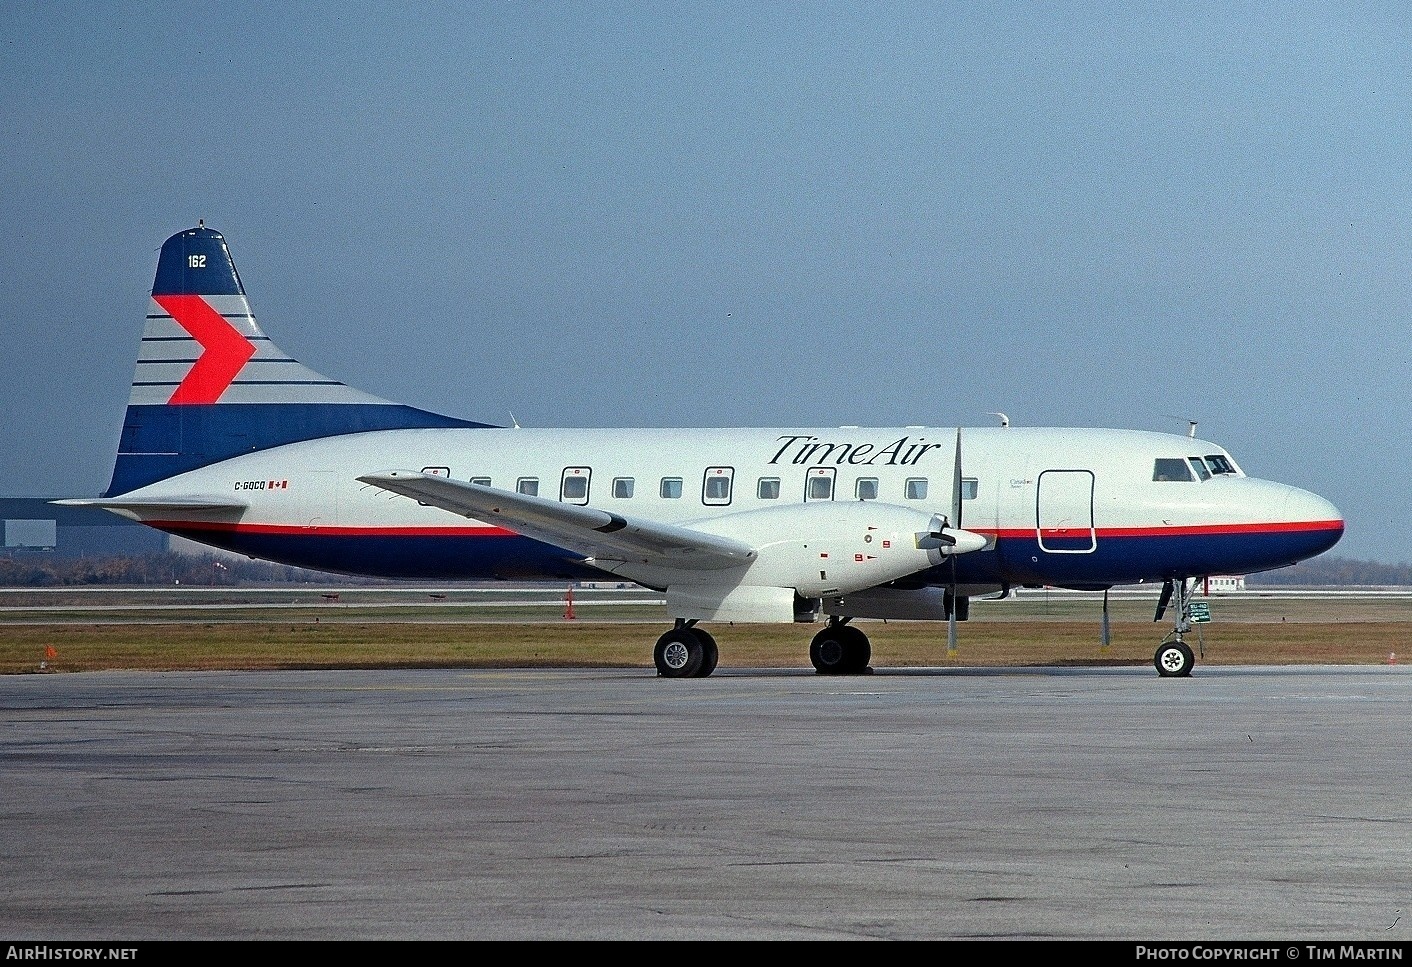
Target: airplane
230	442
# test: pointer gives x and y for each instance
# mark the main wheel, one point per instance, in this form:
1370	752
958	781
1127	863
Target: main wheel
840	650
710	654
859	650
1174	659
678	654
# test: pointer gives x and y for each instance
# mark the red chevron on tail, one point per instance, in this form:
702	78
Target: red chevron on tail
224	351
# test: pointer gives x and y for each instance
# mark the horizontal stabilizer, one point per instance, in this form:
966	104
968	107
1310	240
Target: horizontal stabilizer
143	507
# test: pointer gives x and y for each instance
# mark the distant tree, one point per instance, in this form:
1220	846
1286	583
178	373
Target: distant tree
1327	571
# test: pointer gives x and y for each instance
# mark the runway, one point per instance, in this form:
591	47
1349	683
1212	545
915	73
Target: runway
1244	803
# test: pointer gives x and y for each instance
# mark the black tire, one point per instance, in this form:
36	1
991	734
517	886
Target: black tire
827	651
678	654
710	654
840	650
859	650
1174	659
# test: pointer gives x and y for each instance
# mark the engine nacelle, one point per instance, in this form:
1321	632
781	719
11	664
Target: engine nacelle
829	548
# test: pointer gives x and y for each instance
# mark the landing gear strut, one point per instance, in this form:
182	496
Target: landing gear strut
1174	658
840	649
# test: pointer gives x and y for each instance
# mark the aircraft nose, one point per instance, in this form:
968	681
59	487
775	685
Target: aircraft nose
1320	516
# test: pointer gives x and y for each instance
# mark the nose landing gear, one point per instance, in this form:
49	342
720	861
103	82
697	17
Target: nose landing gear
1174	657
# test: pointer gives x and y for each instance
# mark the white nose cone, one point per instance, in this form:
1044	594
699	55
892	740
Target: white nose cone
1315	520
1303	507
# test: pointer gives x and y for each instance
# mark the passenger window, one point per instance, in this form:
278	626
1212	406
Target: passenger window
622	487
573	488
768	488
528	485
483	481
671	488
915	488
1199	466
819	484
1170	468
716	486
970	488
866	488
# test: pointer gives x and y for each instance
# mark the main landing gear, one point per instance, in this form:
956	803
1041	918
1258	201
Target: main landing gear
1174	658
690	652
841	649
685	652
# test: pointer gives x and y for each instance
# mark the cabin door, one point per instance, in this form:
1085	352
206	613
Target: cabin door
1064	512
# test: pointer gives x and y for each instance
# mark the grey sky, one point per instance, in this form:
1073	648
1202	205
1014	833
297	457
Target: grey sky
594	214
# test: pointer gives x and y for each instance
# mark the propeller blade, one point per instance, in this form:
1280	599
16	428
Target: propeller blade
956	483
956	518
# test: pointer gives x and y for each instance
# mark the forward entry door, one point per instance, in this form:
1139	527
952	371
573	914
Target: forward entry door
1064	512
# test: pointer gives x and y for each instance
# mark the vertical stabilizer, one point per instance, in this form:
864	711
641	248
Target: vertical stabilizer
210	385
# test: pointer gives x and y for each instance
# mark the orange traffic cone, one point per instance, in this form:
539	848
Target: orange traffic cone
569	605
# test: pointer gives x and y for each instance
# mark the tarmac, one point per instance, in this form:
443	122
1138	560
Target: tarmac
1240	804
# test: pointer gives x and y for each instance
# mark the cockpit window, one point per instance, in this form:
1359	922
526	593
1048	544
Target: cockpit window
1219	464
1199	466
1171	468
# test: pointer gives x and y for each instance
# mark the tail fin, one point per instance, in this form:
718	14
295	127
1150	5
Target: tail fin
210	385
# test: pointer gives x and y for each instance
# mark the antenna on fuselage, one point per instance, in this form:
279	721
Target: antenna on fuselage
513	422
1190	424
1004	420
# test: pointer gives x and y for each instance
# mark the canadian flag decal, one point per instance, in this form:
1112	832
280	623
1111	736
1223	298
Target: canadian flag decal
224	351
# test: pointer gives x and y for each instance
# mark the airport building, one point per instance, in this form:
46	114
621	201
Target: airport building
32	525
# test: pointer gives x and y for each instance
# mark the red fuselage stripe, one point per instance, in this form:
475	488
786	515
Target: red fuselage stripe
1282	527
1017	533
323	530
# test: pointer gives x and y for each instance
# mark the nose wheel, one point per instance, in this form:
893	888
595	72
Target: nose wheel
1174	659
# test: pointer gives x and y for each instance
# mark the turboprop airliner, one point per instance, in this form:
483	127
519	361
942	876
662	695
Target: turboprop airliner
230	442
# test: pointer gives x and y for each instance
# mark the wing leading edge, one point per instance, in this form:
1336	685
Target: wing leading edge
597	534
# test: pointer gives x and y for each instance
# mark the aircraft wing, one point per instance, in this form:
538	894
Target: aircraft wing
592	532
